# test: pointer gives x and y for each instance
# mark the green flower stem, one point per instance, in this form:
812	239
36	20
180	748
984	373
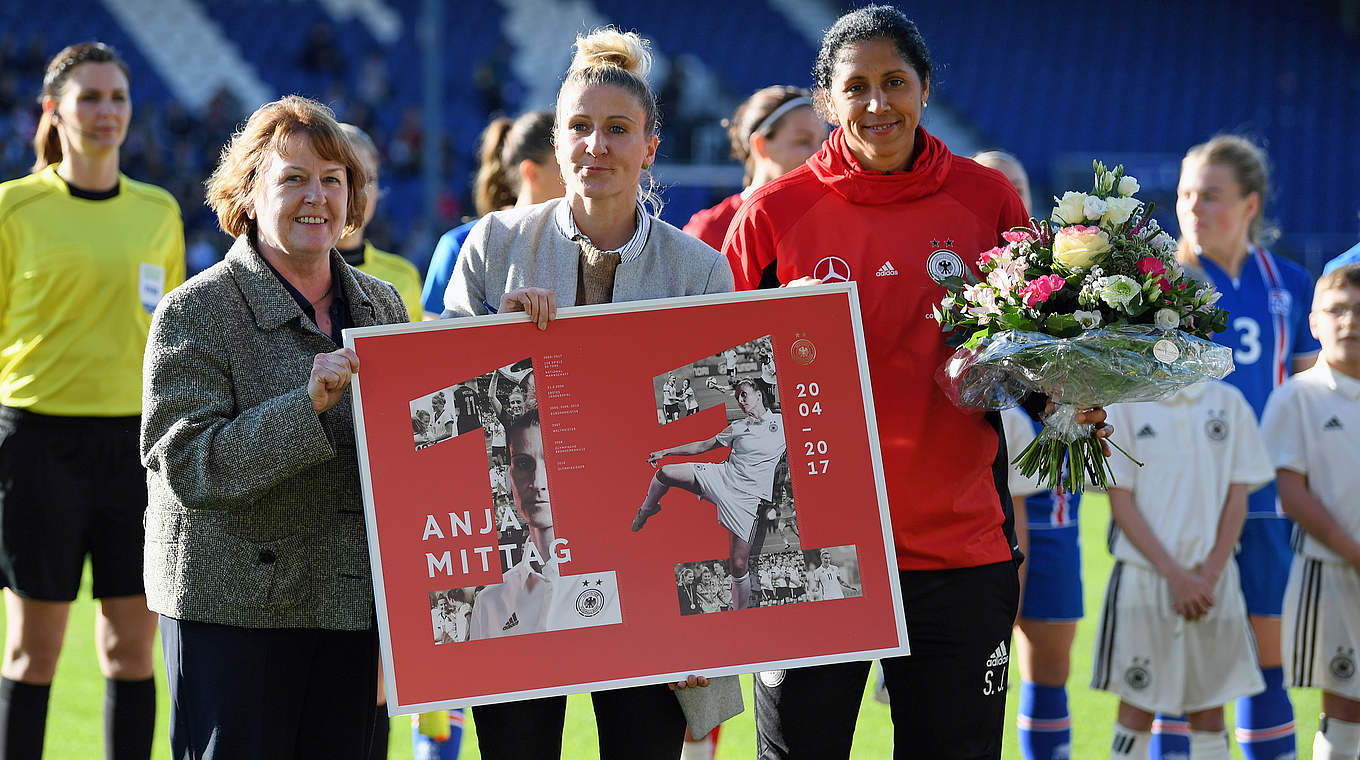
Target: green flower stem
1085	462
1121	450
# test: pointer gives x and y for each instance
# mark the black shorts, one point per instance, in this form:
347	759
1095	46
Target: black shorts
948	697
70	487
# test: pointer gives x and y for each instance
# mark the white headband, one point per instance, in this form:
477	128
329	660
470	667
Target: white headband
765	124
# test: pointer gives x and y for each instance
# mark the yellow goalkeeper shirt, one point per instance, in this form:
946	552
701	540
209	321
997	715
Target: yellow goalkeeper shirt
389	267
79	280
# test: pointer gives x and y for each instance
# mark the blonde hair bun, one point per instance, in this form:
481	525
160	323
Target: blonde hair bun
609	47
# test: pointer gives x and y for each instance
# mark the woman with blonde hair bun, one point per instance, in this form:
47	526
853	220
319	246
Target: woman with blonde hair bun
600	244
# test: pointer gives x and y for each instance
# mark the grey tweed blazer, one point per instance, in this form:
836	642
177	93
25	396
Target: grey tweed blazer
255	517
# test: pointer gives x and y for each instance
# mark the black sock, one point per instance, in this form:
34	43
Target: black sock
23	718
129	718
382	726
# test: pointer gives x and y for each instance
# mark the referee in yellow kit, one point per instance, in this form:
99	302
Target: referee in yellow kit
85	256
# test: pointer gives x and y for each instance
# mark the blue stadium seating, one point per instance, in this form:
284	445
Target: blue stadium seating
1055	81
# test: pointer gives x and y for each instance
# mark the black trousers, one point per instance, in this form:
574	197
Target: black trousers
948	696
266	693
641	723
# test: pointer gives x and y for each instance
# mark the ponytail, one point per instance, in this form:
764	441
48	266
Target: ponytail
46	142
491	190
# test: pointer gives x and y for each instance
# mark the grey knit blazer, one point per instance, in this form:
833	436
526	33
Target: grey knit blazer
255	517
522	247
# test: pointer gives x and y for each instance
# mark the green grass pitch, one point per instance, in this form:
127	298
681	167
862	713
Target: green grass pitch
75	722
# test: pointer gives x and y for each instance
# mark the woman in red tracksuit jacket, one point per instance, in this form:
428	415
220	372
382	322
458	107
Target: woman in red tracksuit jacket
885	204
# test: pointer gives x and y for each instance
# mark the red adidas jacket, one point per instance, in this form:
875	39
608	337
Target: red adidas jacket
894	234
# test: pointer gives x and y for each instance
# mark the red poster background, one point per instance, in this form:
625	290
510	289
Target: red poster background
595	368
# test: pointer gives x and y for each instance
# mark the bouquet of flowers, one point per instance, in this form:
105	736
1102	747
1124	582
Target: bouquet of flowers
1088	308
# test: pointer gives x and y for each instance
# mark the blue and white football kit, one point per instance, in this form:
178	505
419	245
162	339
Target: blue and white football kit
1268	304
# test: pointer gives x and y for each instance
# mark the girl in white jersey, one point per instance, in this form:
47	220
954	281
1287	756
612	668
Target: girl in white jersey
736	486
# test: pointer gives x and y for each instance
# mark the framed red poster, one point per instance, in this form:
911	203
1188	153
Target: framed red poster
640	492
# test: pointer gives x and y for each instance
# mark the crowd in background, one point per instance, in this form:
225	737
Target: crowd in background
606	223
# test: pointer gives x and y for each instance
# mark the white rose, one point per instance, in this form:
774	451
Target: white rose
1128	186
1093	207
1167	319
1119	291
1118	210
1070	208
1089	320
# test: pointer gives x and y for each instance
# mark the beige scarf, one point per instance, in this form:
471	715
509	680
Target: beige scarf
595	274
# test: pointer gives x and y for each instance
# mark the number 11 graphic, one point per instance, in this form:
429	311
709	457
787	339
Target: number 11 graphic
751	489
534	596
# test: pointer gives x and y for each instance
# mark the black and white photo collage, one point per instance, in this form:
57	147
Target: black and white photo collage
754	476
489	403
685	390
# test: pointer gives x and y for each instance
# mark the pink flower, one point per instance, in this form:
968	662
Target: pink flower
1151	265
988	256
1039	289
1017	236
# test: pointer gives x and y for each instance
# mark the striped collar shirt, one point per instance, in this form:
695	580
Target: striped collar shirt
630	250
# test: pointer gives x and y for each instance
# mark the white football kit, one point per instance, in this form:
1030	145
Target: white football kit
1312	426
1194	445
444	423
767	373
827	579
737	485
534	602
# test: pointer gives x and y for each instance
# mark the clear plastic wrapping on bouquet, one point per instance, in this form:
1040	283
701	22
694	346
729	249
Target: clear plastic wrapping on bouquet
1097	367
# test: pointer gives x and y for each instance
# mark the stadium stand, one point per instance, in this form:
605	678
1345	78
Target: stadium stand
1137	84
